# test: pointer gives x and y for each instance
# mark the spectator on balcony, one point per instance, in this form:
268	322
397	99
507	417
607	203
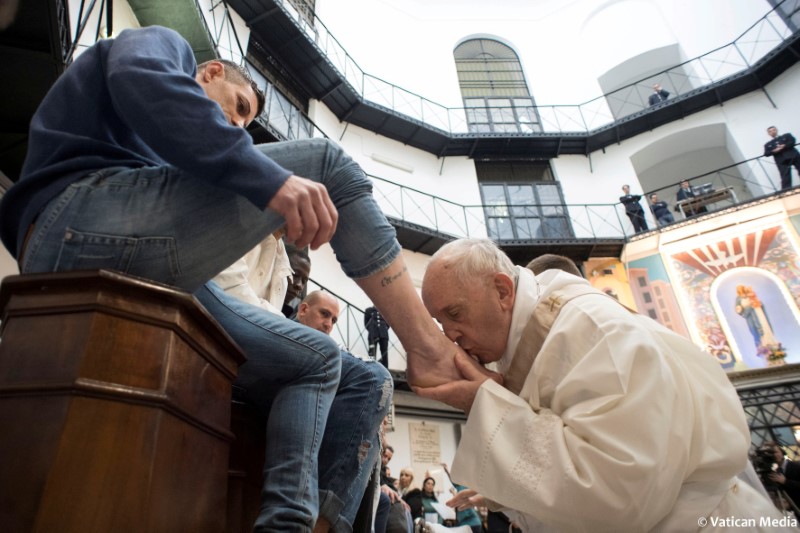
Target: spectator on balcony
660	210
633	209
781	147
138	160
659	95
685	192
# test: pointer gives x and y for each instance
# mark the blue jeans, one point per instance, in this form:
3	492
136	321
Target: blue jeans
291	375
351	445
666	219
291	381
161	224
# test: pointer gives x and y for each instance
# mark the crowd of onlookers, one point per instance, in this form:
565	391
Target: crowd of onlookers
406	507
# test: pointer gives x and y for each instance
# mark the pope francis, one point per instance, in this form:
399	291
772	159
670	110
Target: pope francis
605	420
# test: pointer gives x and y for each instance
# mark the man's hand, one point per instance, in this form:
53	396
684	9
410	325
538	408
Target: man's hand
778	148
778	478
393	496
461	394
308	210
466	499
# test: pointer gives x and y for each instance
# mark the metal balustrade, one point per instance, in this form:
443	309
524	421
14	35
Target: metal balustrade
747	180
757	177
588	221
735	58
773	414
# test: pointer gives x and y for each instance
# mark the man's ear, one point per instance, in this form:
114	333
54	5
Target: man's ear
301	311
504	285
212	70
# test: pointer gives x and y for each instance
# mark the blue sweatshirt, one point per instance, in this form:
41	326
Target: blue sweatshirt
132	102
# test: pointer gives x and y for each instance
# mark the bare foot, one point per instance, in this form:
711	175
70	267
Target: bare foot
434	367
429	353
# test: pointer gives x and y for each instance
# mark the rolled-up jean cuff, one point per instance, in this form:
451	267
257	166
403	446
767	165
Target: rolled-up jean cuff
330	508
377	264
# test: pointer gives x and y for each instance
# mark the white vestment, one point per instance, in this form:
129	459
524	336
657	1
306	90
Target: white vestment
612	423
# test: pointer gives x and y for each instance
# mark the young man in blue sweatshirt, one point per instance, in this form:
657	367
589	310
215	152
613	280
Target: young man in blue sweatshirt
138	162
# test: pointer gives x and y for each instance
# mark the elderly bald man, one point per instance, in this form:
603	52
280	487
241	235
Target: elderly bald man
607	421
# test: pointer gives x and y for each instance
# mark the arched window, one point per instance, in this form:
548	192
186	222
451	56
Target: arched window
493	87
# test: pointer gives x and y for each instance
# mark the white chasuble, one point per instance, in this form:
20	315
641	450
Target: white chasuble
612	422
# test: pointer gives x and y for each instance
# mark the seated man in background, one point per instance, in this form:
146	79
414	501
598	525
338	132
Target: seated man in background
660	210
685	192
351	441
608	421
138	161
301	270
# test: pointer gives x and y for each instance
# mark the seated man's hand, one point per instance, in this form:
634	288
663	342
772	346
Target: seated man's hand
461	393
466	499
310	215
393	496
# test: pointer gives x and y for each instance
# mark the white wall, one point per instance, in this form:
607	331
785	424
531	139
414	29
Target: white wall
741	132
453	178
745	119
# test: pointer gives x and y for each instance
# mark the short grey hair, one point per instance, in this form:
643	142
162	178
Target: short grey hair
472	258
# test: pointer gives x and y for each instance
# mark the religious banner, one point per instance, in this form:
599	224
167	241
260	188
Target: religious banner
743	292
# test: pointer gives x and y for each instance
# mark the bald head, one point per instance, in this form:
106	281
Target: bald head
320	311
553	261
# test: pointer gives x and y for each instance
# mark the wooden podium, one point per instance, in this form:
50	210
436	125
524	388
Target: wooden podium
115	403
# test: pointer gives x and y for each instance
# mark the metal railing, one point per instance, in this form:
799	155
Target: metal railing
280	117
764	36
589	221
746	180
